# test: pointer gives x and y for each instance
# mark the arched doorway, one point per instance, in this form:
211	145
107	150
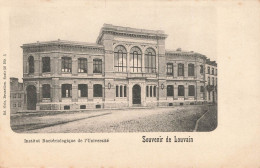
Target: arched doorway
31	97
136	94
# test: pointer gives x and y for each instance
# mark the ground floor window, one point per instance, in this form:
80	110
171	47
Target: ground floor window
66	90
191	90
46	91
180	90
150	91
169	90
120	91
83	90
97	90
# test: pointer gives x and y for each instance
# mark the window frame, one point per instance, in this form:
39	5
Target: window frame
97	65
191	90
31	65
120	53
46	64
191	70
82	89
150	60
66	65
181	89
169	66
97	92
180	69
82	65
64	88
46	91
170	90
136	52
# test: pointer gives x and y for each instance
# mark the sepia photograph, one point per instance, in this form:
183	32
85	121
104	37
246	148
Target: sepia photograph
129	79
129	84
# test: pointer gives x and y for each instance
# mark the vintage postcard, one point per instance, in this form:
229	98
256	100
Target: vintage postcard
130	83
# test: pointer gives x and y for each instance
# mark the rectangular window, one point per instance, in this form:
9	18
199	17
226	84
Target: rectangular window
97	90
116	91
201	88
46	64
169	90
83	90
66	90
46	91
66	64
124	91
191	70
191	90
97	66
154	91
151	91
169	69
121	91
180	69
147	91
180	90
82	65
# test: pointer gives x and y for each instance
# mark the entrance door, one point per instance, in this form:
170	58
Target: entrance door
31	97
136	94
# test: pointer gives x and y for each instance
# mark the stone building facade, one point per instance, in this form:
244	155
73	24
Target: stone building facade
16	95
126	67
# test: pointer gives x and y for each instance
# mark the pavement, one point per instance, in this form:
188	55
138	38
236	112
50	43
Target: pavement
167	119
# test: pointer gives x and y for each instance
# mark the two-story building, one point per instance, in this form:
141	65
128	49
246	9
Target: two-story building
16	95
126	67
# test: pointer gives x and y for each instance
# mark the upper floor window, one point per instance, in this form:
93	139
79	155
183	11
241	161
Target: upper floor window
135	59
208	70
66	90
120	59
209	80
97	66
31	64
46	64
201	69
97	90
169	90
169	69
46	91
212	71
82	65
191	70
180	90
150	60
213	81
180	69
66	64
83	90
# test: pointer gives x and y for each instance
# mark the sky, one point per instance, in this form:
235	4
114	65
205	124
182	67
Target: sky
192	28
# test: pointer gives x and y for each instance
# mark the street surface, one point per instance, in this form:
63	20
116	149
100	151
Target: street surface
167	119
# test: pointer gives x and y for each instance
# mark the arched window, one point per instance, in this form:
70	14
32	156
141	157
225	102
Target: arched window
46	91
191	70
97	90
136	59
31	64
120	59
180	69
82	65
191	90
150	60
